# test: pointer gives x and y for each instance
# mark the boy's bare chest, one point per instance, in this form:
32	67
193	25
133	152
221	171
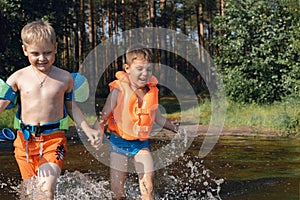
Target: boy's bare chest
51	89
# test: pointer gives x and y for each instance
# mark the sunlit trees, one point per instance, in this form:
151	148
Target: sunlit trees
258	47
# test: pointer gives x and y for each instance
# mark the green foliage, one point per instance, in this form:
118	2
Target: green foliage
288	118
10	49
258	50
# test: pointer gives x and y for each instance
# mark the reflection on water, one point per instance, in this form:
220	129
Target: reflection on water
257	168
237	168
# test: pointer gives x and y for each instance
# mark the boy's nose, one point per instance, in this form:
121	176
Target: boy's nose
145	72
42	57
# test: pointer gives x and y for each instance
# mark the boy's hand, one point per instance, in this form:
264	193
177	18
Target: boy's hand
95	137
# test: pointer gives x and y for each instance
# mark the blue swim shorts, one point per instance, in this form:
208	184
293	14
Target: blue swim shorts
127	147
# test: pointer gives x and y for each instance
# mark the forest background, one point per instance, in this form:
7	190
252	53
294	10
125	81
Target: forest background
255	46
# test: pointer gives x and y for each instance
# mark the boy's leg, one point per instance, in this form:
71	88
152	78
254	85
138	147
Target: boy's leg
51	162
118	172
48	174
43	185
47	168
144	166
27	188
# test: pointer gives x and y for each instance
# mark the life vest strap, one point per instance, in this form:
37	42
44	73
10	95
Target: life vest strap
141	129
28	129
141	111
38	129
59	125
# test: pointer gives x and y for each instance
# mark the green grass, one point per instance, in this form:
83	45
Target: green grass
283	117
7	118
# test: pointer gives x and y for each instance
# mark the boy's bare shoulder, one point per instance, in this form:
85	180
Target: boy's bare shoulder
60	70
62	73
13	79
21	71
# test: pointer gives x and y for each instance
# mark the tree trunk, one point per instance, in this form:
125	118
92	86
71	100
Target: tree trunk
210	31
221	7
91	23
151	15
116	33
162	41
76	36
82	34
201	49
92	34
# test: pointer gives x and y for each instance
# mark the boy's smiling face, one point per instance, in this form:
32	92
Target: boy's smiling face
41	55
139	73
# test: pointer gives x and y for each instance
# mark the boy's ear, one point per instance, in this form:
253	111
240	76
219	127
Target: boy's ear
24	50
126	67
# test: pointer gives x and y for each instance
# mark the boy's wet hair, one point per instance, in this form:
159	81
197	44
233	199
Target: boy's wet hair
38	31
138	51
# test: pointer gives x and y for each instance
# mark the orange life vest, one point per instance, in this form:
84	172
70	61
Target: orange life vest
129	120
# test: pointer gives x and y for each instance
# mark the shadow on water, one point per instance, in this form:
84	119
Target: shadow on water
249	168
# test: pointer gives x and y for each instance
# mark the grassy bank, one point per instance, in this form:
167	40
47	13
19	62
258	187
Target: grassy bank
283	117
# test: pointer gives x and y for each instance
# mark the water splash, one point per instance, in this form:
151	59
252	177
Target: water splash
194	181
76	185
182	133
185	176
9	186
185	179
170	151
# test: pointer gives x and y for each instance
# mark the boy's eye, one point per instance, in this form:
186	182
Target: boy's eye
141	68
34	53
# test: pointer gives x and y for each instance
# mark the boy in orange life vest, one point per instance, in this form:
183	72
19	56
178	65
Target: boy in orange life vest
40	146
131	109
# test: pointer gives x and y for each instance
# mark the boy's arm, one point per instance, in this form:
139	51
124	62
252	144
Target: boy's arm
164	122
108	107
77	116
3	104
94	136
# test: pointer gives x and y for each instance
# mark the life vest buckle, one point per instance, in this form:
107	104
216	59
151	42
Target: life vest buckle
141	111
27	127
142	129
38	129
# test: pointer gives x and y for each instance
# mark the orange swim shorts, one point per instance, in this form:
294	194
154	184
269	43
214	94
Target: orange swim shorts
39	150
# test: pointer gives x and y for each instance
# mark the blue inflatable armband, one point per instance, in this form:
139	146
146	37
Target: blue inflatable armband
80	91
7	93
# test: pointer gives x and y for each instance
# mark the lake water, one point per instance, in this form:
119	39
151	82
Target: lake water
247	168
